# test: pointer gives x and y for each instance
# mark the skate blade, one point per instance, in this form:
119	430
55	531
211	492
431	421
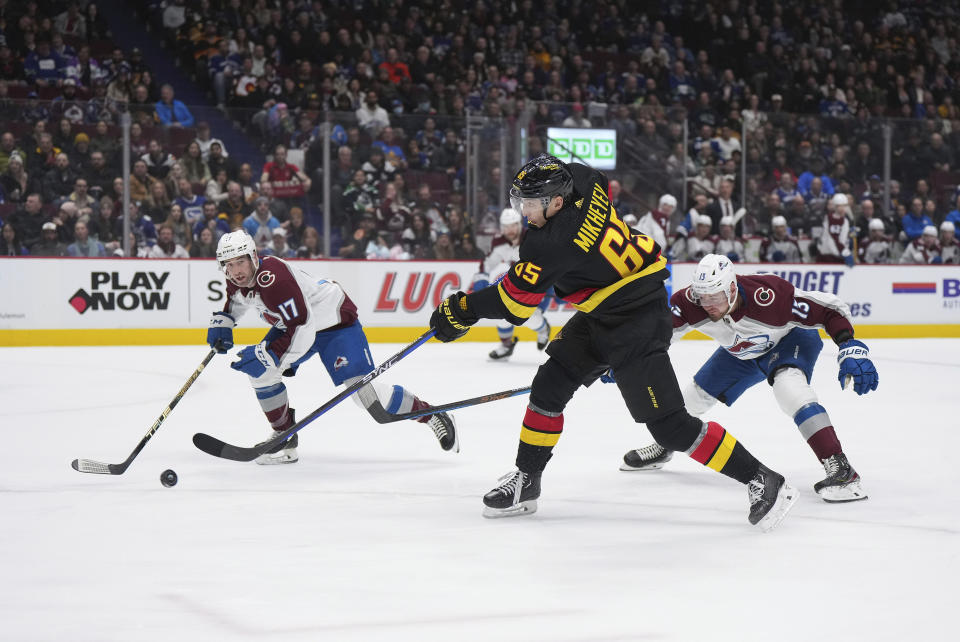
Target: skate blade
786	498
523	508
841	494
285	457
627	467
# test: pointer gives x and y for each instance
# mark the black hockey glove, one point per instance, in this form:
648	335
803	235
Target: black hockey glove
451	319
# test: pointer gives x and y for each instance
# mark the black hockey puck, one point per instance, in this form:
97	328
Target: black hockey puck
168	478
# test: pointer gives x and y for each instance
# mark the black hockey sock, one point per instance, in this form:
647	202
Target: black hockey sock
533	459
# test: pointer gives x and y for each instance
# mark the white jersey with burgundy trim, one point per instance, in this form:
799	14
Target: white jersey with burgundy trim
294	302
950	253
836	230
770	308
501	253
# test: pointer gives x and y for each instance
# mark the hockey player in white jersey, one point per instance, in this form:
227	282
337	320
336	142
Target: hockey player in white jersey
504	252
307	316
780	247
924	250
766	330
833	245
878	246
656	223
694	247
728	243
949	246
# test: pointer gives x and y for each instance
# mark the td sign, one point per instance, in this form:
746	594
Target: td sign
594	147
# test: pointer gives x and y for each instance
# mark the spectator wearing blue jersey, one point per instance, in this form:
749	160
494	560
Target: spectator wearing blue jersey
391	150
171	112
42	66
190	203
805	179
914	221
261	223
217	222
141	227
954	215
222	67
786	190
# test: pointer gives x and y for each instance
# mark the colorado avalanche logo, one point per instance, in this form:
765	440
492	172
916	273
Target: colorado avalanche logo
676	310
340	362
687	292
763	297
757	344
266	278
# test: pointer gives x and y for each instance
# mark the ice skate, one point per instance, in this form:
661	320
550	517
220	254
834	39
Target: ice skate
504	350
543	335
771	498
651	457
445	430
842	483
516	495
285	453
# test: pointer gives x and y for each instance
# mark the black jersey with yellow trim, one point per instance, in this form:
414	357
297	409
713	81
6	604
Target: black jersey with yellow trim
591	258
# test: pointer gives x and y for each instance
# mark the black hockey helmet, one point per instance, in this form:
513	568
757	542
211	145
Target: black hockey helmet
543	177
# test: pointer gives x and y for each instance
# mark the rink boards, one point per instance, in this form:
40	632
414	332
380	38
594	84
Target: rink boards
50	301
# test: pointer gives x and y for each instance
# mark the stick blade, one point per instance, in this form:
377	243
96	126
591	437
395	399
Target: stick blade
95	467
218	448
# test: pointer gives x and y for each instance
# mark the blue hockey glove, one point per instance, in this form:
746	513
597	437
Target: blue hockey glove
607	377
733	256
937	260
220	330
779	257
848	259
854	362
480	281
254	360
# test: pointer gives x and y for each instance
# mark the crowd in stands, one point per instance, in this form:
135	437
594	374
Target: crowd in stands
799	94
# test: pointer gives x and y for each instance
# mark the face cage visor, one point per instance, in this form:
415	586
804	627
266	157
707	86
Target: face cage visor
713	299
524	205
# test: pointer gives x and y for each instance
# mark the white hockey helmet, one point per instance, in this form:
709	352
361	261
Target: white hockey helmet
839	200
711	281
726	220
929	230
667	199
948	226
703	219
509	216
234	244
778	221
875	224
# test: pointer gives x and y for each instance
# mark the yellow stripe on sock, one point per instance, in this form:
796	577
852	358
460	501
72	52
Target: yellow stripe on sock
535	438
719	459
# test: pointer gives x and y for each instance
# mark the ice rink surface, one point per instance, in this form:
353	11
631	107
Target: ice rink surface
376	533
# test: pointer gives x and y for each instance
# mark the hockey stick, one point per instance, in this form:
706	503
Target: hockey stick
90	466
218	448
381	416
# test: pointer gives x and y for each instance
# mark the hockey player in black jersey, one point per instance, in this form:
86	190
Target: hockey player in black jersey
614	276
